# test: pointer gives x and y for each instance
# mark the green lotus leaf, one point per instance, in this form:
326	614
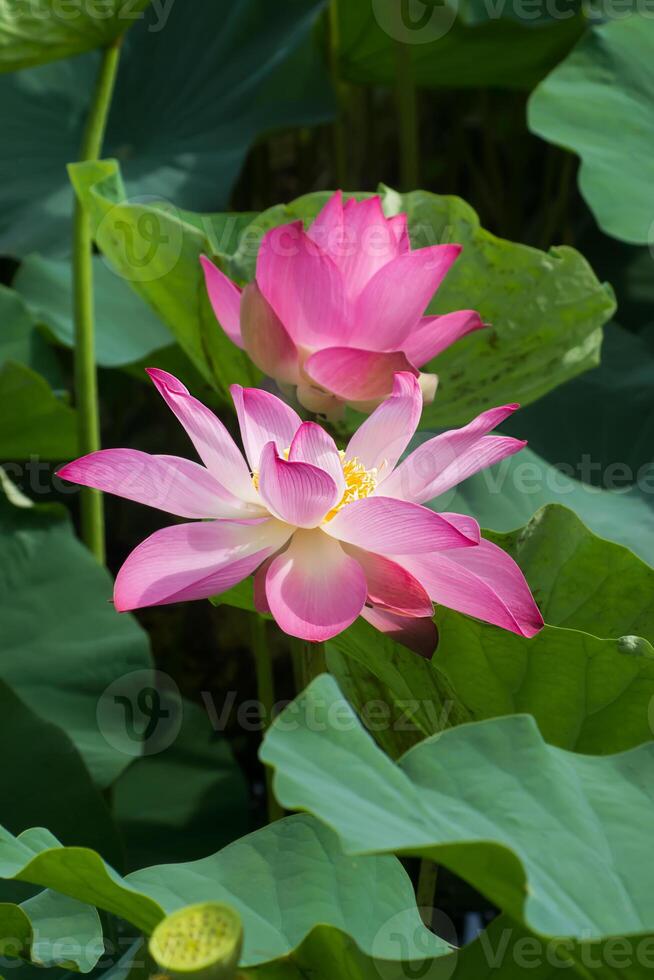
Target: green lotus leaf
55	608
126	330
602	88
35	31
183	117
539	831
35	420
284	881
50	930
454	45
167	803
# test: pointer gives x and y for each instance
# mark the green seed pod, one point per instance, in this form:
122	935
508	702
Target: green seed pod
199	942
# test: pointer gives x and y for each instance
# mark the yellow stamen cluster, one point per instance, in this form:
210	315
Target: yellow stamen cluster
359	482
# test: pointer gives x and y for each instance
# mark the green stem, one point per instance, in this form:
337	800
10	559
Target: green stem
266	695
426	890
312	661
86	382
339	145
407	111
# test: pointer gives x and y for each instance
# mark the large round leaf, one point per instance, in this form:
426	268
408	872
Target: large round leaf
486	44
36	31
599	102
63	643
184	114
285	881
47	783
539	831
126	330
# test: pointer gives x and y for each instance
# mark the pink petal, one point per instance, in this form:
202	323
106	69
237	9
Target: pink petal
303	285
433	334
194	561
382	438
314	589
225	298
214	445
311	444
395	298
396	527
298	493
483	582
419	635
445	460
390	585
327	227
266	339
368	244
177	486
259	586
263	418
356	375
400	229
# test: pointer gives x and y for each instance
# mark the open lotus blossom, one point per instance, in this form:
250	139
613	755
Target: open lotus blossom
330	535
337	310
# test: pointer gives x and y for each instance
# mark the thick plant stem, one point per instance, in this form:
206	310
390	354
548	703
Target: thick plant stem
86	383
339	144
312	662
407	111
426	890
266	695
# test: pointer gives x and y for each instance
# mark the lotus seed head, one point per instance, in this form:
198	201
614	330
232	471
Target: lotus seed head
199	939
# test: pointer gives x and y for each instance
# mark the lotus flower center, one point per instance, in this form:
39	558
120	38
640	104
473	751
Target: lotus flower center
359	482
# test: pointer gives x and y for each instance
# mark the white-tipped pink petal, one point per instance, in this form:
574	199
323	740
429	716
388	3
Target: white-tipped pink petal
382	438
266	339
396	527
225	299
214	445
356	375
395	298
418	634
445	460
311	444
195	561
263	418
169	483
303	285
390	585
483	582
314	589
433	334
259	586
298	493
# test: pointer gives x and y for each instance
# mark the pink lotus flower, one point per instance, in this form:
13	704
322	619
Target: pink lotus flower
337	310
329	535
